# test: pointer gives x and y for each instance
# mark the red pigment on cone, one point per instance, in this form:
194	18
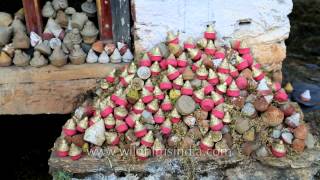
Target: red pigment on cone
165	130
122	128
166	107
229	80
233	93
223	70
281	96
175	120
109	126
121	102
151	110
110	79
257	65
244	50
145	62
123	82
149	88
259	77
74	158
130	121
166	85
276	86
69	132
158	119
217	127
210	35
147	99
163	64
114	97
202	77
137	111
241	66
208	89
140	133
248	58
236	44
173	75
172	62
119	117
204	147
278	154
219	101
80	129
186	91
214	81
265	92
115	141
210	51
234	74
155	58
217	113
188	46
182	63
198	56
62	153
176	86
160	96
207	104
219	55
174	41
90	110
241	82
147	144
155	73
158	152
194	67
196	99
142	158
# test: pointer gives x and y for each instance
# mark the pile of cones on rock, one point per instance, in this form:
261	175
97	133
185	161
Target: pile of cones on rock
202	95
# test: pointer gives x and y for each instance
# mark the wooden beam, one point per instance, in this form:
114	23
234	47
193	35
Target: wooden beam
121	27
48	89
104	19
32	12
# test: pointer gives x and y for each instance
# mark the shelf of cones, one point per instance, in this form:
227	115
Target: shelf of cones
48	89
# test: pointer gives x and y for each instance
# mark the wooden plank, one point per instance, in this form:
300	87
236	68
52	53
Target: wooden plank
30	74
32	11
52	97
48	89
104	19
121	21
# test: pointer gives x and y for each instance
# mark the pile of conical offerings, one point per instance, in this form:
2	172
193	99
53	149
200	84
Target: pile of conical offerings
200	96
68	36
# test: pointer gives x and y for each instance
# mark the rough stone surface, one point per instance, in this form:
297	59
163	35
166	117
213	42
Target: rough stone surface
263	24
203	167
49	89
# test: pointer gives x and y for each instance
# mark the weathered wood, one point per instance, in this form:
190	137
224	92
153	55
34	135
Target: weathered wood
32	12
104	19
30	74
121	21
48	89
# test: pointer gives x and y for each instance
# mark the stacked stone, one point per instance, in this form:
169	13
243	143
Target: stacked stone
201	95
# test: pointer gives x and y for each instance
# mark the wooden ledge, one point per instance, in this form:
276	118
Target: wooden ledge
50	89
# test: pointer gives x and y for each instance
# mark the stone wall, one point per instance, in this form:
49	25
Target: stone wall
263	24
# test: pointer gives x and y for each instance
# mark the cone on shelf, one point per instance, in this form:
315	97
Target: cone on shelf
148	139
210	33
155	54
109	122
166	105
62	147
140	130
278	149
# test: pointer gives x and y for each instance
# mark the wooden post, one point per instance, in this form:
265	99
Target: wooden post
32	12
104	19
120	11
